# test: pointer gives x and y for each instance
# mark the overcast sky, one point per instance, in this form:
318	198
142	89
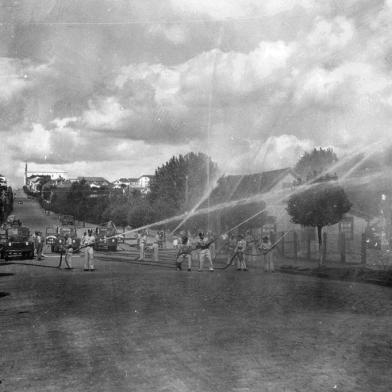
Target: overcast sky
116	87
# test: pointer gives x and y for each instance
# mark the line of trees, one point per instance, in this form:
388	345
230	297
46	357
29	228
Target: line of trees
177	186
6	202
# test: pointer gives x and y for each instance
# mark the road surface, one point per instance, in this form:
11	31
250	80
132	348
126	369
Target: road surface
129	327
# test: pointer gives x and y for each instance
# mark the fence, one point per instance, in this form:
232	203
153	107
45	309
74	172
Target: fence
336	247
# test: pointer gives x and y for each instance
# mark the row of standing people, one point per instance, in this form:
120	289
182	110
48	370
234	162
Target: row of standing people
205	247
238	250
87	247
66	250
203	244
241	248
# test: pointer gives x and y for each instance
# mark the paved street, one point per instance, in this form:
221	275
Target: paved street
129	327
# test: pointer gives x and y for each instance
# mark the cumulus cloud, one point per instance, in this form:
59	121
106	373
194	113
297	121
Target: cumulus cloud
252	83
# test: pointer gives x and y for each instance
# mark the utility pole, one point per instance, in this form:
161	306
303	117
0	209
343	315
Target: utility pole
385	222
186	191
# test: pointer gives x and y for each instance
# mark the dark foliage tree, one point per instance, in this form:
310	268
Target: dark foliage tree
321	205
315	162
141	213
181	182
77	200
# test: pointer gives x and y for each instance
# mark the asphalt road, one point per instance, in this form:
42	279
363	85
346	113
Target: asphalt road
129	327
31	214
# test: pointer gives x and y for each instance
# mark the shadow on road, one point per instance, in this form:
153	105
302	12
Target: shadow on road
35	265
137	262
3	294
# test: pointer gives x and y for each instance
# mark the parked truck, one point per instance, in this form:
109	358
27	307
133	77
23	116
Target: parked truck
106	237
56	236
16	242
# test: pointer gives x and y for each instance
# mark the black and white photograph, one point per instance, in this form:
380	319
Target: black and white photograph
195	195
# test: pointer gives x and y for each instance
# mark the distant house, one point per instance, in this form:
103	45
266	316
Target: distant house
144	181
95	182
34	173
141	183
125	182
240	187
3	180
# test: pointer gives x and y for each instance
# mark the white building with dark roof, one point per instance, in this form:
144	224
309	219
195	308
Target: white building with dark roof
141	183
54	175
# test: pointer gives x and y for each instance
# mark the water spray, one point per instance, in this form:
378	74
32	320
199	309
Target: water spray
191	213
275	195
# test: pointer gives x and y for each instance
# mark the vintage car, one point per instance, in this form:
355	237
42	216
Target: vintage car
17	243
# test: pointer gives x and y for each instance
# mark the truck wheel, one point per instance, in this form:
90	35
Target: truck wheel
31	255
52	248
6	258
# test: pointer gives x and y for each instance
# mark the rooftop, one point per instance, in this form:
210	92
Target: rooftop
233	187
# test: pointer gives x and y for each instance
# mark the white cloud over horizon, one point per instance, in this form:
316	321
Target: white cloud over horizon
118	90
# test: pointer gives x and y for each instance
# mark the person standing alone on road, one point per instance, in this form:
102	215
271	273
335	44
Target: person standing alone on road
64	250
240	254
230	246
184	252
89	243
203	245
40	245
68	252
266	250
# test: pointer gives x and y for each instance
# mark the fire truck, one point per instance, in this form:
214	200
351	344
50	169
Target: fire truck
3	241
56	236
67	220
105	237
16	241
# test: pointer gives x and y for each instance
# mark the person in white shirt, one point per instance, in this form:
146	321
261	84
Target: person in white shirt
240	254
184	252
203	244
89	243
40	245
268	256
66	251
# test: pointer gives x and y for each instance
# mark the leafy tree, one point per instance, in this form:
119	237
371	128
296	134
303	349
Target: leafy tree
181	182
321	205
315	162
77	200
141	213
